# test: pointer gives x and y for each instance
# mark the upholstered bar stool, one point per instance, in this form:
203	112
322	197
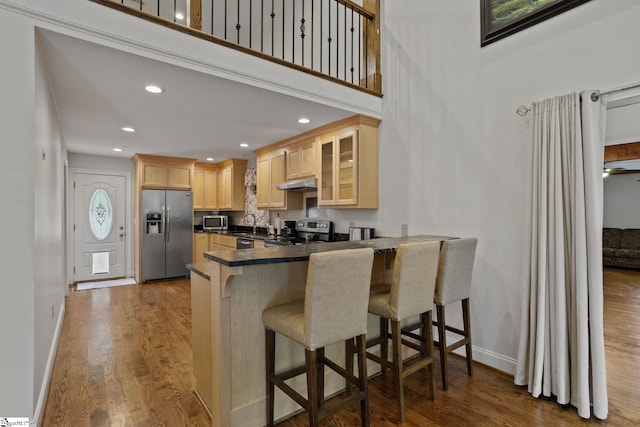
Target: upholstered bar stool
454	284
334	310
410	294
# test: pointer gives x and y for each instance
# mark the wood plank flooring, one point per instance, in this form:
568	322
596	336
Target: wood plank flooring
124	359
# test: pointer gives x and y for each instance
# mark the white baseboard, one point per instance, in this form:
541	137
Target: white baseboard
494	360
46	380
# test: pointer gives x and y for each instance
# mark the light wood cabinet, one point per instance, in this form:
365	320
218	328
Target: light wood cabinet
271	171
200	246
205	187
231	189
342	155
222	240
349	167
164	172
301	159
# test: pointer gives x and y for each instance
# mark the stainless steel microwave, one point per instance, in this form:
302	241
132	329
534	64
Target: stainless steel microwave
215	222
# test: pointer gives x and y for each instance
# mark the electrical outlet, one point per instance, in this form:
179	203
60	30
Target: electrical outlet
404	230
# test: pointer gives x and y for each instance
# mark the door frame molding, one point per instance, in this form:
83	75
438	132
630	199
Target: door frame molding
128	213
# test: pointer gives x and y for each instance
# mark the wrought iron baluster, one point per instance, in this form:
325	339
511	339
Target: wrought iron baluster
238	26
359	48
283	16
366	55
329	40
225	19
174	9
293	33
352	49
312	29
250	22
273	15
262	26
212	7
337	39
302	30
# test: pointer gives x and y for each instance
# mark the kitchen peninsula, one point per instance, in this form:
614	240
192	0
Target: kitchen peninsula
229	293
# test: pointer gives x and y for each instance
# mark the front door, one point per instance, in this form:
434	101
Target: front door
99	226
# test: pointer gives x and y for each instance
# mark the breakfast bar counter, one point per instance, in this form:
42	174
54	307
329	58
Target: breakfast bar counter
228	295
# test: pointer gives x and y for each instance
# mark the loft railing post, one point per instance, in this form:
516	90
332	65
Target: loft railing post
195	14
372	55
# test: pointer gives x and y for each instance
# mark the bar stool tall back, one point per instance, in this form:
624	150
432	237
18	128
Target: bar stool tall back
334	310
454	284
410	294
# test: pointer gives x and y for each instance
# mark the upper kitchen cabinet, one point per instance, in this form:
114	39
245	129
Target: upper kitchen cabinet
301	159
272	170
164	172
205	186
342	155
348	175
231	189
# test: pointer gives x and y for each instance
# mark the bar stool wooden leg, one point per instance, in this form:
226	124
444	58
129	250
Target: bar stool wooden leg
396	339
466	319
442	345
320	375
312	386
361	343
349	351
384	345
427	335
270	341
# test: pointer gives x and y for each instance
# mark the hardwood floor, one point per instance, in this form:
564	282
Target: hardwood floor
124	359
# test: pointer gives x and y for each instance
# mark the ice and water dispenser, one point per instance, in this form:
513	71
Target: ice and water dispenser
153	223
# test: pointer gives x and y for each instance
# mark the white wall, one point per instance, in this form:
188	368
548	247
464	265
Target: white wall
49	195
454	155
18	246
622	201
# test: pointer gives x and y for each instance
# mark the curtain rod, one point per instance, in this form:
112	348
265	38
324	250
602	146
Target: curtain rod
595	96
523	110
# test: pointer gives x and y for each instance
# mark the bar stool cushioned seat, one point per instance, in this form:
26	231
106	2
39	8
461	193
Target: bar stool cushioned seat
334	310
410	294
454	284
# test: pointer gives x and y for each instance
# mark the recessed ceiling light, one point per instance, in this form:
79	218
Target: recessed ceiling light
128	129
153	89
117	149
303	120
244	145
179	16
210	159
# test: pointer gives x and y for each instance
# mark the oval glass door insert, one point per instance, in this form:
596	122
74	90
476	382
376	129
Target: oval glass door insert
100	214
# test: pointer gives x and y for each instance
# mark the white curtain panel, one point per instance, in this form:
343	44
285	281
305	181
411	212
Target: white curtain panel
561	351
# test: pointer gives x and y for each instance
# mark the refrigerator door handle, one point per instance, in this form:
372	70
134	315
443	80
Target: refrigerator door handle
168	233
164	224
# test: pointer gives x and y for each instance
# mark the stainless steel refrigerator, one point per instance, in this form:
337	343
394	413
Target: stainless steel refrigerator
167	231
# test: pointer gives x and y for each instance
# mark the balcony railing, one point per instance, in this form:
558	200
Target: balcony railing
334	39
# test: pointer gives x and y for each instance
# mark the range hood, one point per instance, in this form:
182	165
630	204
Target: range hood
300	185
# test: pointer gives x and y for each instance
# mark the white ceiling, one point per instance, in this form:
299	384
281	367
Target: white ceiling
98	90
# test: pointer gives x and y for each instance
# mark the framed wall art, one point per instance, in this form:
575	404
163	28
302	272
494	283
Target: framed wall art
501	18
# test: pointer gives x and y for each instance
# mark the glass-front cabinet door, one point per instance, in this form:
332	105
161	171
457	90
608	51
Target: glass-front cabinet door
339	171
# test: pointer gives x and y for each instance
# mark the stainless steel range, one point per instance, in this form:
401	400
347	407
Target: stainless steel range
307	230
310	230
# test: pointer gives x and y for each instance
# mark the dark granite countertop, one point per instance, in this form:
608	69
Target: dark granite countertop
200	268
273	255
